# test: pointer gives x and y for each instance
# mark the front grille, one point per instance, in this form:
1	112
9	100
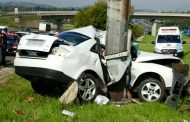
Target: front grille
169	51
32	53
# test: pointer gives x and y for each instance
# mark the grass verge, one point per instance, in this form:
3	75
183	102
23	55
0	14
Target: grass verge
20	103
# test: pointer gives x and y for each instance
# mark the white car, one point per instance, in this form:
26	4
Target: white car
49	61
152	75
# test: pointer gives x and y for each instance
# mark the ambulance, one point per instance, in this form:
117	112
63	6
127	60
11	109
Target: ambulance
169	41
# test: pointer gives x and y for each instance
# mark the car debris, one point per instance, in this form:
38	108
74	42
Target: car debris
178	85
70	94
68	113
101	100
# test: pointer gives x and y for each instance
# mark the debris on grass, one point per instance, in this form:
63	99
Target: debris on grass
70	94
136	101
68	113
30	98
17	112
101	100
185	120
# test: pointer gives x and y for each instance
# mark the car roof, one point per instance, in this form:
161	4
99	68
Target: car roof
89	31
3	26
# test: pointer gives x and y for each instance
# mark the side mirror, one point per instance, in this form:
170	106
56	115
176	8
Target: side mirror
183	42
153	42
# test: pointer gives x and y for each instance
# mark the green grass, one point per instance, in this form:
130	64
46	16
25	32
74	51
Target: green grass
15	106
186	38
10	20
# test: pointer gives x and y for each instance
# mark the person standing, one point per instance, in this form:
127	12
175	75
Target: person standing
4	47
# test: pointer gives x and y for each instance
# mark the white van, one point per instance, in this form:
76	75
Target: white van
168	41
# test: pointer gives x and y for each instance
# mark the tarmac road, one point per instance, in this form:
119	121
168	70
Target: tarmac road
10	60
6	70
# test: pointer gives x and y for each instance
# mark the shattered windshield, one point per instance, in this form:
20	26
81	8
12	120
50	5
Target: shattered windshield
168	39
73	38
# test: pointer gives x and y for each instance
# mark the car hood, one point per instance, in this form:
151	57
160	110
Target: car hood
146	56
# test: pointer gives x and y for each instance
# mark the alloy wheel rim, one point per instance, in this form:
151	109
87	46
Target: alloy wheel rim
87	89
151	92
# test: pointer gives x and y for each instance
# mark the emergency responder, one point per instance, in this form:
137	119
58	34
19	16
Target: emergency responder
4	47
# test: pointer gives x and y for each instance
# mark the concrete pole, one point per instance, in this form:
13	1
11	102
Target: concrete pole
154	28
117	26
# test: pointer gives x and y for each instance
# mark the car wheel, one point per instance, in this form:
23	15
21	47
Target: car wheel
151	90
88	88
42	88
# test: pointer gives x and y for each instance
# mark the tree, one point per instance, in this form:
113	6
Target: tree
94	15
137	30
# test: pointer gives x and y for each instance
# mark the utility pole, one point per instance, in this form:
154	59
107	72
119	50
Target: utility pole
118	57
117	26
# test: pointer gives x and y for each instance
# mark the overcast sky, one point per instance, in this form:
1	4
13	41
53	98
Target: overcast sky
159	5
162	5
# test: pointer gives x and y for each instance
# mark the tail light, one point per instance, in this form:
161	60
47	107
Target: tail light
61	50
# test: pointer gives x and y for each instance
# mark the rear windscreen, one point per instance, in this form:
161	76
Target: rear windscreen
168	39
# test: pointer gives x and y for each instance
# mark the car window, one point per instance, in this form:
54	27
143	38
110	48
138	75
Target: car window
168	39
73	38
95	48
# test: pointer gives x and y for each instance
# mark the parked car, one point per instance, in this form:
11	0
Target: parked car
12	43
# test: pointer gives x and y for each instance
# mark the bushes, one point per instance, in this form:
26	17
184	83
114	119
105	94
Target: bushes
94	15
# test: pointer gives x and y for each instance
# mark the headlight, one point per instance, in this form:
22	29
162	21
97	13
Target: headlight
60	51
180	50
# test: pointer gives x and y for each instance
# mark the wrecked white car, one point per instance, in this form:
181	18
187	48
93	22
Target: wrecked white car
153	75
49	61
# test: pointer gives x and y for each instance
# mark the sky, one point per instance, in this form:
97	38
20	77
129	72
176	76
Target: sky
162	5
158	5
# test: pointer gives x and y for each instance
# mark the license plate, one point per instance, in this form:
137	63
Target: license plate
35	43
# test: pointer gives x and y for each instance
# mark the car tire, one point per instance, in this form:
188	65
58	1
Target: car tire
88	88
42	88
151	90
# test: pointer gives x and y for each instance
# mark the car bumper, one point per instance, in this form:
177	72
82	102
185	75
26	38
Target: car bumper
11	51
177	54
47	75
